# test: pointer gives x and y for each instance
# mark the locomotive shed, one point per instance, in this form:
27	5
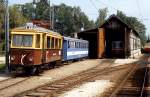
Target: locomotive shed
113	39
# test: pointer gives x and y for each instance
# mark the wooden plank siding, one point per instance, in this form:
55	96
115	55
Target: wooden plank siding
101	42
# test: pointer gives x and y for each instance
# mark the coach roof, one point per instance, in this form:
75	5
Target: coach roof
74	39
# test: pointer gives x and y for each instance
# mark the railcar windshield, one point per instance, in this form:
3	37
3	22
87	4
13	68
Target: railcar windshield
22	40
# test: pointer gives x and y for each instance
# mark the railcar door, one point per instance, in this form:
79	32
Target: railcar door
43	48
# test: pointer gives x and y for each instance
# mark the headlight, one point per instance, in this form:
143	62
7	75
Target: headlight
30	58
12	58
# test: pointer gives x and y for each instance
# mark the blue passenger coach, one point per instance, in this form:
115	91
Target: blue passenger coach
74	48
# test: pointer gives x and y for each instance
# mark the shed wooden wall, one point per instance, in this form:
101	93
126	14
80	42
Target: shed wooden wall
101	42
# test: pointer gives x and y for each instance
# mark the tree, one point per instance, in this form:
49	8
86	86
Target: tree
134	23
73	19
16	17
27	10
102	16
70	19
42	10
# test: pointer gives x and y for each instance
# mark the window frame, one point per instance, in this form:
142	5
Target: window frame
21	46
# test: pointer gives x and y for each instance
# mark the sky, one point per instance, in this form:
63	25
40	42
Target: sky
136	8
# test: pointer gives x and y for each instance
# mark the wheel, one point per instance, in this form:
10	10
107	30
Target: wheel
31	70
52	65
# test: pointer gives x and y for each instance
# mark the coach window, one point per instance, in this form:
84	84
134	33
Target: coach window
53	42
48	42
78	44
68	44
81	45
37	45
73	44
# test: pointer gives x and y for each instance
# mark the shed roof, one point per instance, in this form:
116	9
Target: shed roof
107	21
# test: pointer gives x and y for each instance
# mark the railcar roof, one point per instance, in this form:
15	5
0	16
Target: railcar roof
34	29
75	39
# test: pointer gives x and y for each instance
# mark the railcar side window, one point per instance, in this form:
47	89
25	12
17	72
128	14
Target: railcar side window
56	43
48	42
37	45
22	40
53	44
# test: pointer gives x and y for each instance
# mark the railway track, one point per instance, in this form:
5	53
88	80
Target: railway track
10	82
133	85
56	88
136	89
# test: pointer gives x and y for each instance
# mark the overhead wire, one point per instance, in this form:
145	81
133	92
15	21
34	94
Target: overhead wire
94	5
107	5
139	9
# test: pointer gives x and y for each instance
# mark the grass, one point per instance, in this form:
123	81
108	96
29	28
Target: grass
2	66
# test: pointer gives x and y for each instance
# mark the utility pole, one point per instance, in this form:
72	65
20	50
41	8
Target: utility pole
53	18
7	34
50	20
34	10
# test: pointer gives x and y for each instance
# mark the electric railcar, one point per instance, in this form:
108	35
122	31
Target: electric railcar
33	46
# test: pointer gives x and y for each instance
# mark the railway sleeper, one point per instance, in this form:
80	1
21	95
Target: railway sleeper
43	90
36	94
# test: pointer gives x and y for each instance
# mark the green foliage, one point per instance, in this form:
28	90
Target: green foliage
27	10
70	18
102	16
42	10
16	17
134	23
2	66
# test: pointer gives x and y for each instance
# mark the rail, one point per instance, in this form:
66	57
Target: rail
122	83
144	81
124	88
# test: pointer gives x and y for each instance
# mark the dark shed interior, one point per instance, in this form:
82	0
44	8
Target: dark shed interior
114	32
91	36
